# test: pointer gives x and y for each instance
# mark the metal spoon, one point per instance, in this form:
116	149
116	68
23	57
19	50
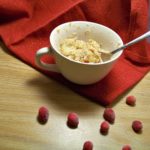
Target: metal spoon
147	34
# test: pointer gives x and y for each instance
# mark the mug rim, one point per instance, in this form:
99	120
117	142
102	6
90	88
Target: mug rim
100	63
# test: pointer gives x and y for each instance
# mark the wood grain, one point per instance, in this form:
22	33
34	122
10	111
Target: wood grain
23	90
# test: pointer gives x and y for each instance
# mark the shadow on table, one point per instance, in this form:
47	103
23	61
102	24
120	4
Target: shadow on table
62	97
5	49
65	99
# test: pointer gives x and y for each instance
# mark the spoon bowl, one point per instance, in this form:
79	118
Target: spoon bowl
142	37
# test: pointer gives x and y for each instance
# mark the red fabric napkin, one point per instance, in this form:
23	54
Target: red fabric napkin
25	27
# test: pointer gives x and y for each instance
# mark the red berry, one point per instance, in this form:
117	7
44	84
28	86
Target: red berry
43	115
137	126
131	100
73	120
104	127
109	115
88	145
126	147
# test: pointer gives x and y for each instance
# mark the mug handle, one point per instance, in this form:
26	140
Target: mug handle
39	54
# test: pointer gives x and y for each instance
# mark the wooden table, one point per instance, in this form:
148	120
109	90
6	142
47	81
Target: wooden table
23	90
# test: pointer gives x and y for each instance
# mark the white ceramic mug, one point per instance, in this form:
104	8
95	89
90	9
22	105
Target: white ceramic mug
78	72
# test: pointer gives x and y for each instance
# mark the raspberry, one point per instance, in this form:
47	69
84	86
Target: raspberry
88	145
131	100
109	115
126	147
43	115
73	120
104	127
137	126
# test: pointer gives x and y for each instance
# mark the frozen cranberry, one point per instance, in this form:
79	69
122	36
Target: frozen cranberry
43	115
109	115
126	147
131	100
137	126
88	145
104	127
73	120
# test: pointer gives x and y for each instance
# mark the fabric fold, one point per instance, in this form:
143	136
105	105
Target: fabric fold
30	16
138	25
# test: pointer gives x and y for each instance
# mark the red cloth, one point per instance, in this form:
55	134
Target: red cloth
25	27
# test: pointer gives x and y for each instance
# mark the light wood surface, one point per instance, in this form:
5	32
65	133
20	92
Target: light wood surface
23	90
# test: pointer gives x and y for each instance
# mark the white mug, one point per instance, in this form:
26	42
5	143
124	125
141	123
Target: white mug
78	72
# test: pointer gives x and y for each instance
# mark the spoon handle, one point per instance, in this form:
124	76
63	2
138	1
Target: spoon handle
147	34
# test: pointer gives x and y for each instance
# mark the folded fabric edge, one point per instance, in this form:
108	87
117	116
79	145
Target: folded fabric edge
45	24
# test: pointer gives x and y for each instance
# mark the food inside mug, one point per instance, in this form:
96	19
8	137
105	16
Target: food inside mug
89	51
83	42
